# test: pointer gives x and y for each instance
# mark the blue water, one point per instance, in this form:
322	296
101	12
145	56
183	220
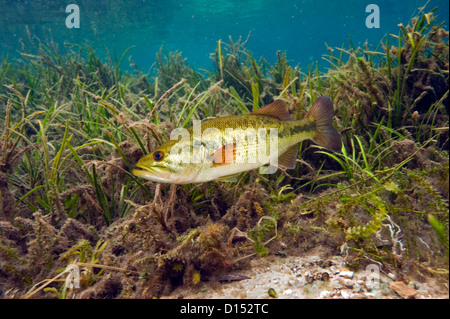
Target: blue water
301	28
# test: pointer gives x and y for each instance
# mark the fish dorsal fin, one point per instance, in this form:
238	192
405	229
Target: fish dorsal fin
288	159
276	109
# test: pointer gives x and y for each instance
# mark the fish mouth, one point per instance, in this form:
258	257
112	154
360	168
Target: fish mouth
141	172
155	173
161	174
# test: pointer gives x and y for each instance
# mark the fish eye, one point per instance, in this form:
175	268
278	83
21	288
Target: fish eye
158	155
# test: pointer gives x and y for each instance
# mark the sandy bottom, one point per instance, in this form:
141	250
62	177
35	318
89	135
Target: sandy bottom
309	277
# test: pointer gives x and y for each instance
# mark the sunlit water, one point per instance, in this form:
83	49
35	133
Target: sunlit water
301	28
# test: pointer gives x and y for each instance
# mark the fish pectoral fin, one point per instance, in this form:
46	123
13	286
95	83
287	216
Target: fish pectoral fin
224	155
288	159
276	109
229	178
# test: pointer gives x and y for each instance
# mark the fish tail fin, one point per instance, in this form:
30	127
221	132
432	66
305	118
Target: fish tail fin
322	113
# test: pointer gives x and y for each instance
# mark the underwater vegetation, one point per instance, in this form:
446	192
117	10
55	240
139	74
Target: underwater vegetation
73	127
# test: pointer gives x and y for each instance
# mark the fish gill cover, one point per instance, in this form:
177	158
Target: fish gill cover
80	106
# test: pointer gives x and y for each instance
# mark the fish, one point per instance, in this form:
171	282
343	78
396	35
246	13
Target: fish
222	148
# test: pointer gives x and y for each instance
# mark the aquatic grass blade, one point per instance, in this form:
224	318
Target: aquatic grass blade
192	111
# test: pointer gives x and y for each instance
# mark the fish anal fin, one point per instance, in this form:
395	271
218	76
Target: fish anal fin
224	155
228	178
276	109
288	159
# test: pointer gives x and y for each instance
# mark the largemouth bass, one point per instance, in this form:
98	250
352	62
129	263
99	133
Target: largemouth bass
220	148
